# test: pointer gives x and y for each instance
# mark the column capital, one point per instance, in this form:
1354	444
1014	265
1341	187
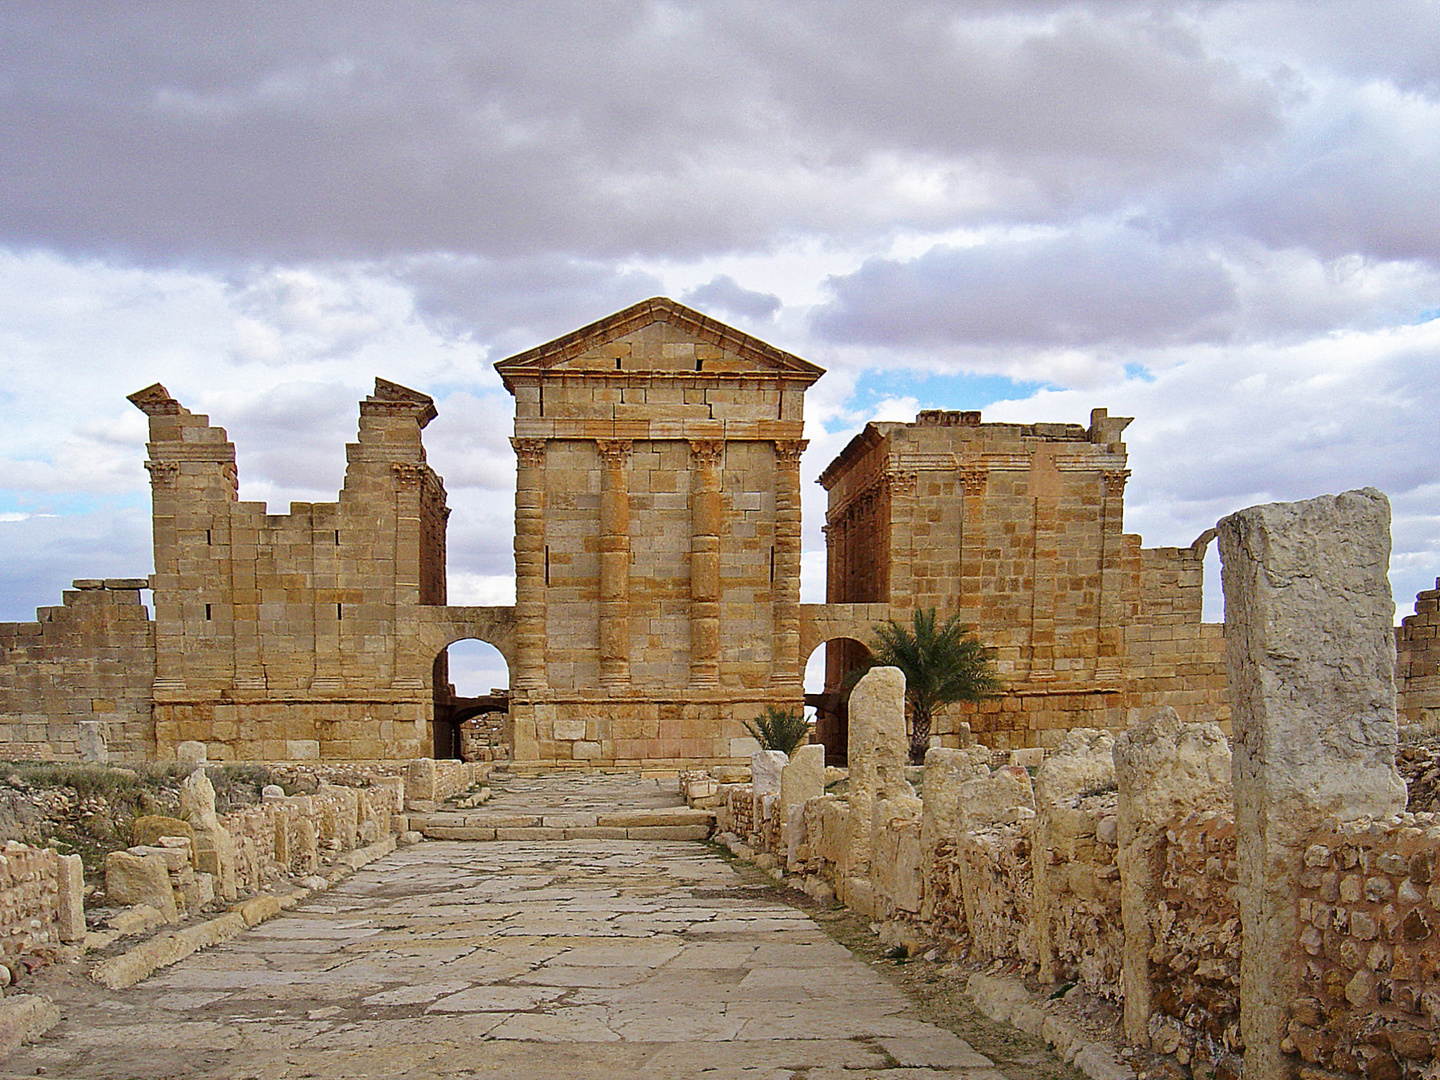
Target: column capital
614	451
973	478
707	451
409	474
901	481
1115	482
788	451
529	451
163	473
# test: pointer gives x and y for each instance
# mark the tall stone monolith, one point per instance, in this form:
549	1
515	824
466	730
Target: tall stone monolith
877	751
1311	658
1164	767
946	768
802	780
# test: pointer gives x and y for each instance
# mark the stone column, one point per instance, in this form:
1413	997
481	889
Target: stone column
169	619
407	672
901	483
1164	768
529	673
1308	625
1109	610
785	661
973	477
706	456
614	562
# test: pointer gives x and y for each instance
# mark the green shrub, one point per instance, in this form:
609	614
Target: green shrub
780	729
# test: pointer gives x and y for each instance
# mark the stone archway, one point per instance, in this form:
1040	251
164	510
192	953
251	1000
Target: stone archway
443	627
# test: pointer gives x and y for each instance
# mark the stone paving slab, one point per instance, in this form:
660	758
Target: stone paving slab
518	959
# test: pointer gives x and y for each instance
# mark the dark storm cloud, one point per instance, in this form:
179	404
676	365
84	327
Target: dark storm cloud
1105	288
330	130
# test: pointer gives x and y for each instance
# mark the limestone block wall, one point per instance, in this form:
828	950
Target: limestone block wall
1370	982
1417	664
1019	529
995	876
295	636
75	684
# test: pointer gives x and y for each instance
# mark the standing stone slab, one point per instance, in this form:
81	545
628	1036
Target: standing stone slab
878	752
1311	658
802	780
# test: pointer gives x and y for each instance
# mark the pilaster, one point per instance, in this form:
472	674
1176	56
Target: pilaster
705	511
785	590
614	562
529	673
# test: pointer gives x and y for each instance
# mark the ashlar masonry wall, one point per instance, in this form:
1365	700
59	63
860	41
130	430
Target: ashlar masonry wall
1019	530
75	684
295	636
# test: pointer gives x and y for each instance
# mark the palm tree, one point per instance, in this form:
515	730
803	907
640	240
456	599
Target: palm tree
940	666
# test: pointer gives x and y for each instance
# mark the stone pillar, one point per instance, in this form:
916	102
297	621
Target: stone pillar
785	590
706	457
1084	761
901	483
1109	607
407	671
1164	768
973	478
1308	625
614	562
878	750
529	672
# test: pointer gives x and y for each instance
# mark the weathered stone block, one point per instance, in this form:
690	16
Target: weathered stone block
140	879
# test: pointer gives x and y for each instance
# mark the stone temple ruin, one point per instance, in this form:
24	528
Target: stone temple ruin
657	559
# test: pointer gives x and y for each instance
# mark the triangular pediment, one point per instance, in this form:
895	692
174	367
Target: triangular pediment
661	336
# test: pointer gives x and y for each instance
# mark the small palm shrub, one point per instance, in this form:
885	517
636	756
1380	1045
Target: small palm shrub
780	729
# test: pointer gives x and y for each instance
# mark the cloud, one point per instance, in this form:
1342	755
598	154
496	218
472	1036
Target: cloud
1077	289
307	131
726	297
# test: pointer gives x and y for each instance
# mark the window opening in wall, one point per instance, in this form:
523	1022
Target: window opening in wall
772	564
207	612
337	537
208	540
547	564
617	363
699	365
339	612
542	399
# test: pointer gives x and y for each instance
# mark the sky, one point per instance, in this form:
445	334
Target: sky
1220	218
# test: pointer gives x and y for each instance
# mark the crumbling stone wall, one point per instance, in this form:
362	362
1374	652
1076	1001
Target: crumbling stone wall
75	684
295	636
1195	956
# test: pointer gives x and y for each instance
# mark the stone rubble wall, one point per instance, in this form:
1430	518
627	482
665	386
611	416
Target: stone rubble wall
1195	961
1370	982
75	685
40	900
1085	900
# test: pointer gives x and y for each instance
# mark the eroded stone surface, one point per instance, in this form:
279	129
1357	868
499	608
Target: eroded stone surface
587	958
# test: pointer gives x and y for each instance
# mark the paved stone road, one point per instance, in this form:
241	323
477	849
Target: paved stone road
522	959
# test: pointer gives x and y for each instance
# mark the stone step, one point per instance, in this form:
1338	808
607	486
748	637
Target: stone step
672	823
